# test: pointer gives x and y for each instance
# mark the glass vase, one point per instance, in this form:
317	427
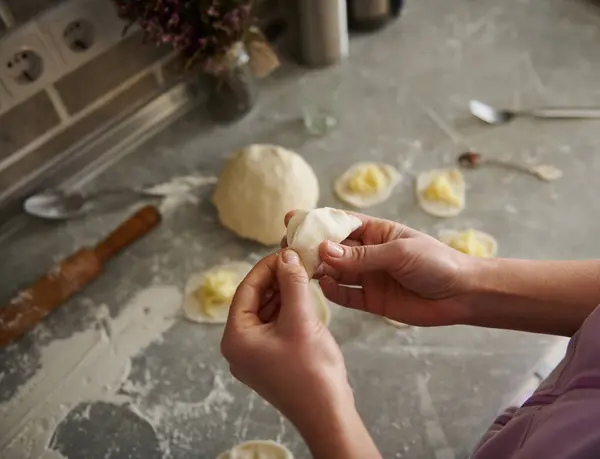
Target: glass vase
234	89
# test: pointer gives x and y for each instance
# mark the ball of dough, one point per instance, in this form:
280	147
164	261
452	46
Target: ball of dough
258	186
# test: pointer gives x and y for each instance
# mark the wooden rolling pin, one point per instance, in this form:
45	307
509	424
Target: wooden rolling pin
70	276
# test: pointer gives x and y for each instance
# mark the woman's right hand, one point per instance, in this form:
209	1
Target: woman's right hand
403	274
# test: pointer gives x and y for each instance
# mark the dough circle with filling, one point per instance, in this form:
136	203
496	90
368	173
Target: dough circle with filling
366	184
441	192
258	186
208	294
257	449
471	242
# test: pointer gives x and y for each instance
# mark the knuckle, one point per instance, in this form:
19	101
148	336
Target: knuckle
359	253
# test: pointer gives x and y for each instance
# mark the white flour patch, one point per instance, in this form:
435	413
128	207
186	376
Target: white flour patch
179	191
88	366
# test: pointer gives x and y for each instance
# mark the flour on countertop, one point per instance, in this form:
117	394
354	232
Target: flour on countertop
28	420
179	190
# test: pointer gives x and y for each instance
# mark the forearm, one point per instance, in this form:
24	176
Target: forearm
333	429
552	297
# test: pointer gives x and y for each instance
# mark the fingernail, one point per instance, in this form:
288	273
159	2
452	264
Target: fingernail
291	257
334	250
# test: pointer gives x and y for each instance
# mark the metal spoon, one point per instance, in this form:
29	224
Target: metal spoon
492	115
61	205
543	172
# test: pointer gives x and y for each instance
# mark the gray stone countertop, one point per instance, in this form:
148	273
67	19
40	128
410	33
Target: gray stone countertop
117	373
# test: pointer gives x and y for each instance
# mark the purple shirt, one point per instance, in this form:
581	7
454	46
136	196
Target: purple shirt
561	420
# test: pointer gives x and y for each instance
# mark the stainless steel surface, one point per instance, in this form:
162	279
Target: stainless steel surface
91	156
492	115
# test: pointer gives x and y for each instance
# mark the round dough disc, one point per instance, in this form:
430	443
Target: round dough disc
362	201
488	241
440	208
321	303
258	186
193	309
257	449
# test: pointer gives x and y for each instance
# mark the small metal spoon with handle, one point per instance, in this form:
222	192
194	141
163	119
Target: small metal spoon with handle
61	205
492	115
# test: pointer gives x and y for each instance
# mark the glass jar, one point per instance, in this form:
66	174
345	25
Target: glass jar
234	90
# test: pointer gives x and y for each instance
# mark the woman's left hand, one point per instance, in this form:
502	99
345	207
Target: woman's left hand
276	344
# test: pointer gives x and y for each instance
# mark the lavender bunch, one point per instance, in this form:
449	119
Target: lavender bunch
201	30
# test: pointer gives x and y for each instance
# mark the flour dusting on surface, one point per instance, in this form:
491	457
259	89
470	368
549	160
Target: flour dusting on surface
179	190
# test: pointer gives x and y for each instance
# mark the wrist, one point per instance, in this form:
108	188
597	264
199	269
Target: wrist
332	427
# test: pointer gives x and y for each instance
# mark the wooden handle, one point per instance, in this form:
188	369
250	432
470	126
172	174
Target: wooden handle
34	303
128	232
69	277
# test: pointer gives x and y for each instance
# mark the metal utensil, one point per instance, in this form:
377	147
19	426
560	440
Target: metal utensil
492	115
543	172
62	205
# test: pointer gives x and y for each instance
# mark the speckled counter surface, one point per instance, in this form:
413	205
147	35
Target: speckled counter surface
117	373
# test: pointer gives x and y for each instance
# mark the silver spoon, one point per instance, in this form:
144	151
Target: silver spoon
61	205
492	115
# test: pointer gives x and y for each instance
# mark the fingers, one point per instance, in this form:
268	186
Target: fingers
349	297
294	289
248	297
362	258
342	277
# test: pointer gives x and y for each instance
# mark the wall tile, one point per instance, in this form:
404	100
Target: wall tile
123	103
25	122
107	71
24	10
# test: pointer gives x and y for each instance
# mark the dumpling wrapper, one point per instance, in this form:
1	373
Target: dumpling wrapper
361	201
257	449
194	310
321	303
307	229
487	240
440	208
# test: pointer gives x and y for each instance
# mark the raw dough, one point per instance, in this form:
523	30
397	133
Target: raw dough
307	229
258	186
321	303
367	184
471	242
395	323
441	192
208	294
257	449
547	172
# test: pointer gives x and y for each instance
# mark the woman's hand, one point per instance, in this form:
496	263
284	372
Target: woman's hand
405	275
276	344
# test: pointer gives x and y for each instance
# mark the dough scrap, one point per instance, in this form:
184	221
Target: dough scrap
257	449
208	294
307	229
321	303
547	172
258	186
471	242
441	192
366	184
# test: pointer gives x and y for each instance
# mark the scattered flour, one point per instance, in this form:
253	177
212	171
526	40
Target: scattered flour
179	190
88	366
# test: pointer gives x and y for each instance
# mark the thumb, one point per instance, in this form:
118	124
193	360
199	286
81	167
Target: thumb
361	258
294	289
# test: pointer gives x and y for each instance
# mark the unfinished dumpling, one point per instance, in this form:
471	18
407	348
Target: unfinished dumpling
395	323
257	449
471	242
321	303
366	184
441	192
307	229
209	294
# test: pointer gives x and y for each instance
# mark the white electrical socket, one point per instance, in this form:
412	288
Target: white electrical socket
27	63
80	30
